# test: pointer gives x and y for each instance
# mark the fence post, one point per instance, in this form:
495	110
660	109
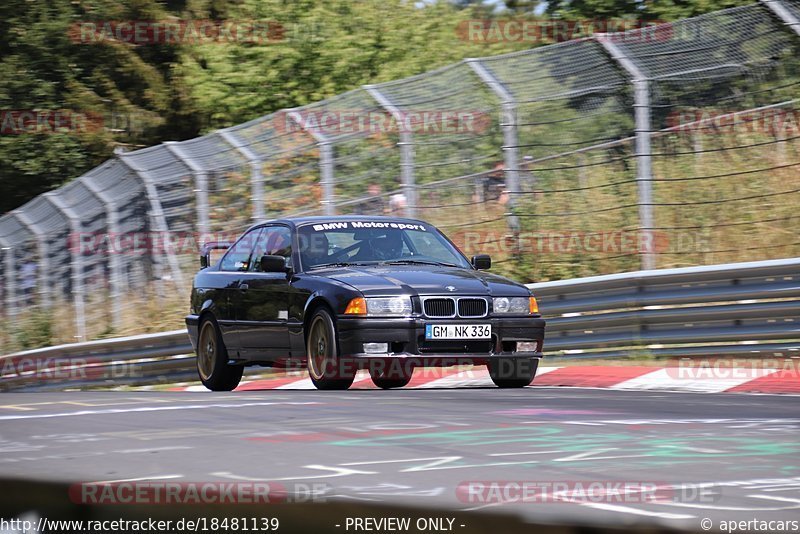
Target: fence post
326	164
10	277
43	278
76	264
256	179
406	146
115	261
777	7
200	184
644	172
510	138
157	214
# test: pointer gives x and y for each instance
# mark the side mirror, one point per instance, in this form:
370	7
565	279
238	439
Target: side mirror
273	264
482	262
205	251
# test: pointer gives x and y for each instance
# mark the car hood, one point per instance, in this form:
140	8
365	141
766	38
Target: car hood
423	280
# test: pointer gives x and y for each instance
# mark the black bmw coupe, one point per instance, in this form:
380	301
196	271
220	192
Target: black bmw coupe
339	294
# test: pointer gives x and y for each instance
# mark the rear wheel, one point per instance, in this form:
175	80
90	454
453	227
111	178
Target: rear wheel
212	360
512	372
325	368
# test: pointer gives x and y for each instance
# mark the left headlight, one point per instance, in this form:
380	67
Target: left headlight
515	305
379	306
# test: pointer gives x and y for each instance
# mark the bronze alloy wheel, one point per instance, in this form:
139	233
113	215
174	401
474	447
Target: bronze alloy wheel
318	346
207	350
212	359
325	368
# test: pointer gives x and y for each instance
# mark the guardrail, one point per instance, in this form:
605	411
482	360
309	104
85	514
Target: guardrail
134	360
734	309
738	308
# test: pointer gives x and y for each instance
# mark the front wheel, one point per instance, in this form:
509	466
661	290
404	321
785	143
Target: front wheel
512	372
212	360
325	368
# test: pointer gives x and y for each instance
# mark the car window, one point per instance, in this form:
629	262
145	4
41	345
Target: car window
274	240
238	256
374	242
429	245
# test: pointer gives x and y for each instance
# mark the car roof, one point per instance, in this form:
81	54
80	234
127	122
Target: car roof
298	221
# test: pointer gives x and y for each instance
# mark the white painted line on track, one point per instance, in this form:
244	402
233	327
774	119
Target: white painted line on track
139	479
635	511
149	409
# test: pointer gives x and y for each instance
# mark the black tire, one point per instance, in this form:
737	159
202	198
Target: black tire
388	376
325	368
512	372
212	359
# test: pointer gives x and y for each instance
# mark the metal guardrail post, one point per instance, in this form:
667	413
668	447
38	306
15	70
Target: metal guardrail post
158	215
43	277
644	172
115	261
326	163
510	137
256	178
76	264
200	184
777	7
406	146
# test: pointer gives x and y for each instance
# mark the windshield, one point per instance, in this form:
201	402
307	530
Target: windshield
373	242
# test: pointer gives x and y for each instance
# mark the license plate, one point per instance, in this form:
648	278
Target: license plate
458	331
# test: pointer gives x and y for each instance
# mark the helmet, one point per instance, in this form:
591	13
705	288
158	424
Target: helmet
389	246
316	248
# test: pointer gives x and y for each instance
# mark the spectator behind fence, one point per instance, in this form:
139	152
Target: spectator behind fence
375	204
28	280
397	204
495	184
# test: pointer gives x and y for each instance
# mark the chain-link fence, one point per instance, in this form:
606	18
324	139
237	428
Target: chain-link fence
666	146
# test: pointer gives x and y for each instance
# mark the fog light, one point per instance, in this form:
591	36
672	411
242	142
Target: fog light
376	348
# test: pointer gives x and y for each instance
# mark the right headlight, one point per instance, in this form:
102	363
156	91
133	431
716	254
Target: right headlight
380	306
515	305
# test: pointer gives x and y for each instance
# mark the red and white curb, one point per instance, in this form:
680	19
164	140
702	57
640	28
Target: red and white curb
618	378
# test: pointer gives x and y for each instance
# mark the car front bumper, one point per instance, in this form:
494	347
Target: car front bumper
405	338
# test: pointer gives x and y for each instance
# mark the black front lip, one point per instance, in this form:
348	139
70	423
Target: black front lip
355	331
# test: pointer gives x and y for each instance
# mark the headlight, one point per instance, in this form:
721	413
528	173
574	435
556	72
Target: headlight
379	306
515	305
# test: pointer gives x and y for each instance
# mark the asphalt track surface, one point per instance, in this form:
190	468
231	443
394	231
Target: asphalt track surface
720	456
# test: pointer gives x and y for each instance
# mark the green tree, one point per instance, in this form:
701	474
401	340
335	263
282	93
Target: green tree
668	10
131	89
328	47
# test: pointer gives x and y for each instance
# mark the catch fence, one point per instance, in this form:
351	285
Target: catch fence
668	146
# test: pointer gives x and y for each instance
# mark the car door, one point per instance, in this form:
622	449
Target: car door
233	268
262	316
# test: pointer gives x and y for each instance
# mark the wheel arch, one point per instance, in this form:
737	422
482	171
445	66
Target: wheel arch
313	304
